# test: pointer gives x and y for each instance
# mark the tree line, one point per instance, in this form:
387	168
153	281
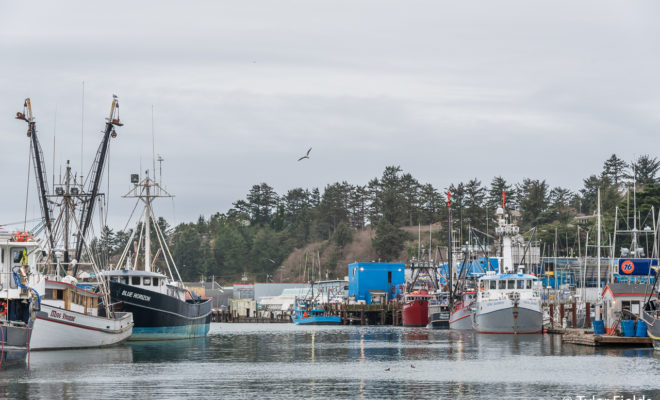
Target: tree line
258	232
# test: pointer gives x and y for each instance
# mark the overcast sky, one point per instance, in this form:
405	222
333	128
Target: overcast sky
447	90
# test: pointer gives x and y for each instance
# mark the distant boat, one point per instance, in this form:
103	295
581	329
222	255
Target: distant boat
439	311
508	302
651	313
461	315
308	312
415	309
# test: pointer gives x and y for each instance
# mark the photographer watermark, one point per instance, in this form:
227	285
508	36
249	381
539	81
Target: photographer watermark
610	397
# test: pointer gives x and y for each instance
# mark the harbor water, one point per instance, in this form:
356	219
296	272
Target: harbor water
289	361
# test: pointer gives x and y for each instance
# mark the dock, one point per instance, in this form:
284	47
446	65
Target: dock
583	337
351	314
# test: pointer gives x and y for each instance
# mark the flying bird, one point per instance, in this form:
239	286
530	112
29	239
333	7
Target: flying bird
306	155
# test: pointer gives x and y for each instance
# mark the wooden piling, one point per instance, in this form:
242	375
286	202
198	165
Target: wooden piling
574	315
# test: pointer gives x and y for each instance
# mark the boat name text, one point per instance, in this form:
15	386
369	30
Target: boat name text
138	296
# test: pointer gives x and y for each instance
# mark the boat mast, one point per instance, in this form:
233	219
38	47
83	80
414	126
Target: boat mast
598	316
96	174
450	271
39	166
147	227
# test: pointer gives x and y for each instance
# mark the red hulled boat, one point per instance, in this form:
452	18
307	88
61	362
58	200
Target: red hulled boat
415	310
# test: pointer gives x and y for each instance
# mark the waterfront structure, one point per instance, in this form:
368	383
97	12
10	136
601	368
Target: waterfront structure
364	278
622	302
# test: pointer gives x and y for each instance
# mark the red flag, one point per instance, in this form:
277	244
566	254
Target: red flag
503	198
448	199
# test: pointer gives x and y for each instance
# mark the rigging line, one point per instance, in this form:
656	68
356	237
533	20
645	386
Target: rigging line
27	187
166	247
82	127
126	248
162	245
20	222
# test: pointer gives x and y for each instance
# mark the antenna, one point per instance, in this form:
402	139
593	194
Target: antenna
153	142
82	127
160	160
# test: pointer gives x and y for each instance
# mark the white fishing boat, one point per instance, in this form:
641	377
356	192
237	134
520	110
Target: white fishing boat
69	316
508	302
69	319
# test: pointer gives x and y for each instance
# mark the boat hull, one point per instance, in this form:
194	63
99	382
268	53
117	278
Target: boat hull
15	342
415	313
504	318
56	328
461	319
652	328
317	320
157	316
438	317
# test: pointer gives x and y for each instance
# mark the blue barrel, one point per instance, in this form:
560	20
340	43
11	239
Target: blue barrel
628	328
599	327
641	329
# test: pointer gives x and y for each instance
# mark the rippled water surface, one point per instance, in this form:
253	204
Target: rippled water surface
288	361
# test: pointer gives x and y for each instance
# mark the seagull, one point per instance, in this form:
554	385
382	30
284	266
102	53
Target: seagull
387	369
306	155
412	366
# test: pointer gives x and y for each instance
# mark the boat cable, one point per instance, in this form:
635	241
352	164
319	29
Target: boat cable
28	345
2	338
27	187
17	281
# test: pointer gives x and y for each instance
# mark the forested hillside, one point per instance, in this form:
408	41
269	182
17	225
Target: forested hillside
346	222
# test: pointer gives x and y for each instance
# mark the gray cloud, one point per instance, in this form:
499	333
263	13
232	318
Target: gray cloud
449	91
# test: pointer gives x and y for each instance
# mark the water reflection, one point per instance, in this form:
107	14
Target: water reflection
285	361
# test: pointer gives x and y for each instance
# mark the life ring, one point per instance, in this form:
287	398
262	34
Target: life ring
3	308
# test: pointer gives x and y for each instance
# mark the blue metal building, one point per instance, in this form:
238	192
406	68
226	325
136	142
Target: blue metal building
365	278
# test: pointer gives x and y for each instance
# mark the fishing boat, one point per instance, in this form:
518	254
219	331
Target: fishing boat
439	311
508	302
162	307
651	311
69	317
415	309
20	288
306	311
424	282
461	313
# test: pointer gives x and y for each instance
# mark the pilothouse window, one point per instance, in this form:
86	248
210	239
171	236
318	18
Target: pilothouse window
135	280
501	284
511	284
155	282
493	284
17	256
146	281
529	283
520	284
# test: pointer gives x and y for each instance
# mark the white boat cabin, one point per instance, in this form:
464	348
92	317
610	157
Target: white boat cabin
18	260
502	285
71	298
152	281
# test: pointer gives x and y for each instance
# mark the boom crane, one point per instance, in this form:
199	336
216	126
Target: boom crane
39	167
96	173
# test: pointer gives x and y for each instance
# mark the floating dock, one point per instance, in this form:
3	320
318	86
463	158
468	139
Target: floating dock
586	338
